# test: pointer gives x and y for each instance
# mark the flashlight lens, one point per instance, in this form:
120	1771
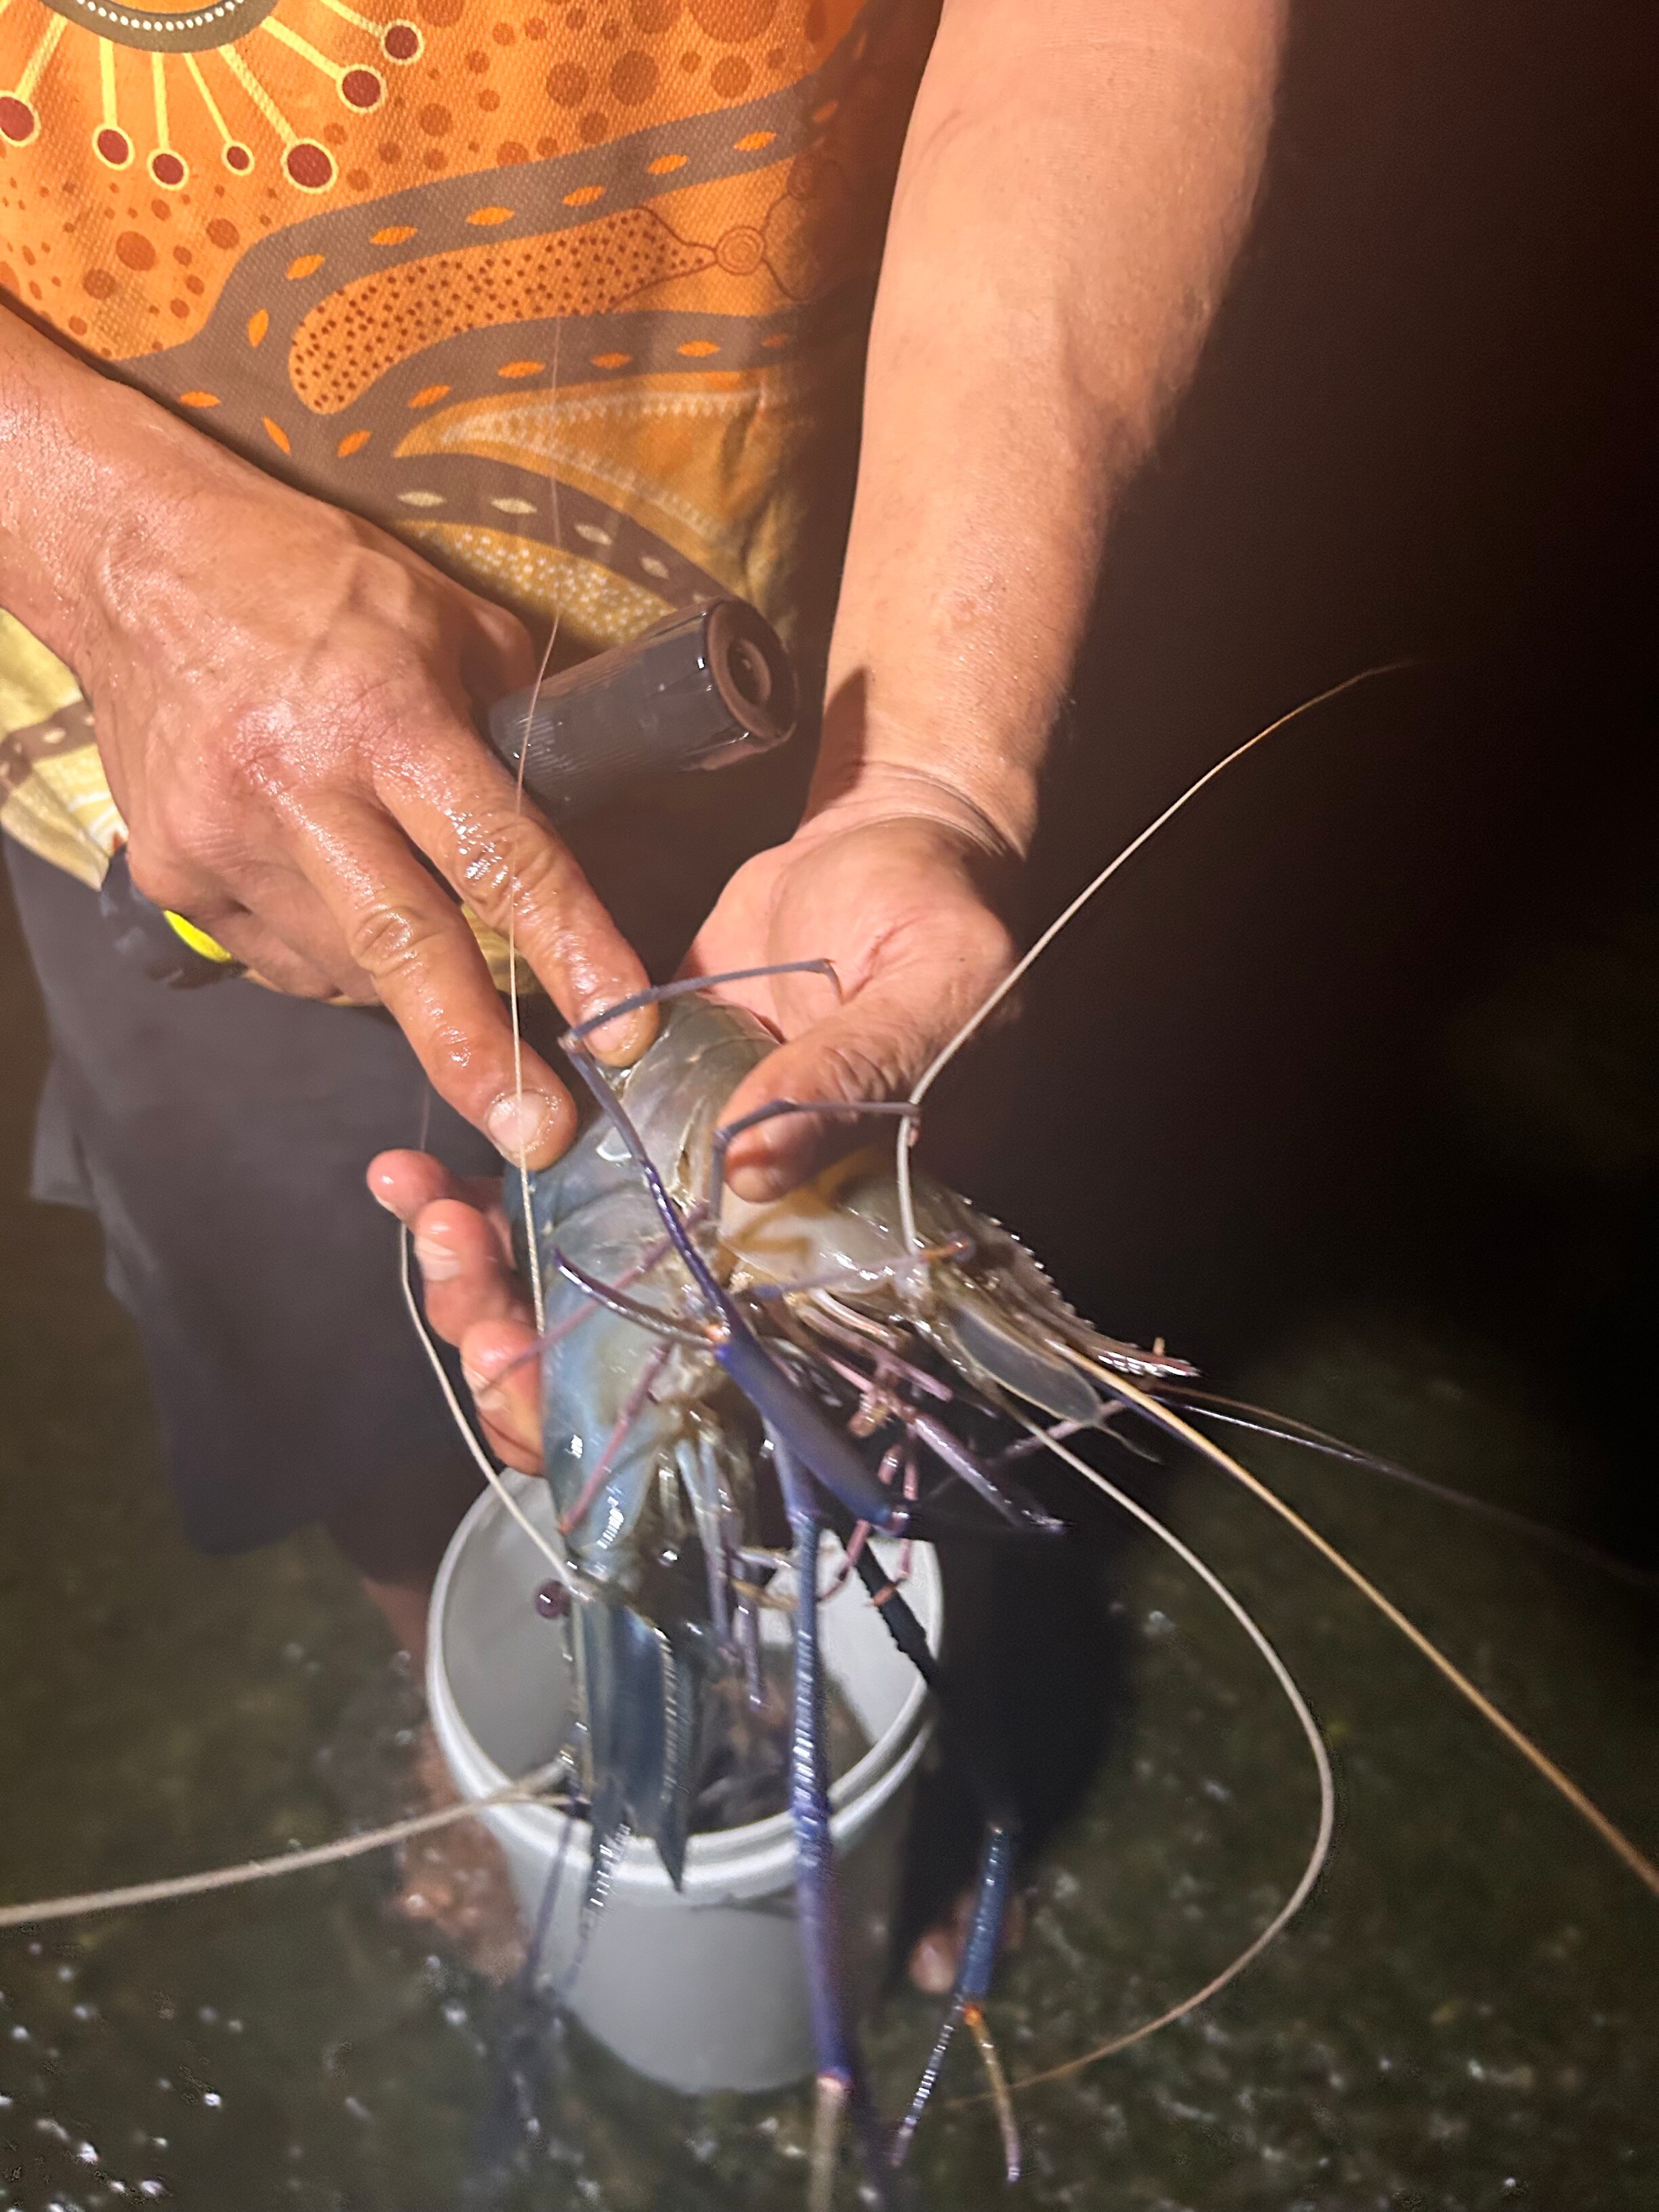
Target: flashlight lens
750	676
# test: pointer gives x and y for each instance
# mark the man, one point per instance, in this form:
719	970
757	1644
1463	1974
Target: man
340	344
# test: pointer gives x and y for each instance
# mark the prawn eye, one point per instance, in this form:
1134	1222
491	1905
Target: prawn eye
553	1599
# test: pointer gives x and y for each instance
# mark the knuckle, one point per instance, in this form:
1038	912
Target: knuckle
861	1068
506	861
390	938
267	751
989	946
159	874
294	979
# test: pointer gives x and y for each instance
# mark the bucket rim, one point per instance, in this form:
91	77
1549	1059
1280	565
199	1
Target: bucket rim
747	1857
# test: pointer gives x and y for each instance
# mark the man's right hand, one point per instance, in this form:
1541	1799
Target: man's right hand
284	700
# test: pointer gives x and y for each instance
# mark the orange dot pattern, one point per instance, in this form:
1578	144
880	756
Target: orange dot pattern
171	121
347	341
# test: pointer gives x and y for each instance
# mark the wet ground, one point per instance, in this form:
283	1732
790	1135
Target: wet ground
1464	2018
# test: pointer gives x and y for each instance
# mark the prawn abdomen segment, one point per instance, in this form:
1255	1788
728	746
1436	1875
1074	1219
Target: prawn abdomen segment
643	1698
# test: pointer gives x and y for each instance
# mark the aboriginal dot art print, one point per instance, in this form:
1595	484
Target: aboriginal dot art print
573	299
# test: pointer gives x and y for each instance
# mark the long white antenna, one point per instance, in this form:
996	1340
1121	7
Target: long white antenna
1166	1419
537	1296
1321	1848
975	1021
529	1790
555	1557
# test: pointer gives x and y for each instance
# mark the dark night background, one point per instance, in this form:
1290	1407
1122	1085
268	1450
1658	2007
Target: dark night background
1349	1087
1421	430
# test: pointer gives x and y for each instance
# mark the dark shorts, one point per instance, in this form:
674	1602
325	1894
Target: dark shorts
221	1137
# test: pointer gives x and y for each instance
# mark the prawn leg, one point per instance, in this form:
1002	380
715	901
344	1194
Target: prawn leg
659	993
973	1983
991	1892
839	2088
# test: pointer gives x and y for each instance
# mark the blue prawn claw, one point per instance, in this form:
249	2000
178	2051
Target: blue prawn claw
648	1452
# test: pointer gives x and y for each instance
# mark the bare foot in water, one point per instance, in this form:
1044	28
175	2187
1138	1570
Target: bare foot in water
937	1952
455	1880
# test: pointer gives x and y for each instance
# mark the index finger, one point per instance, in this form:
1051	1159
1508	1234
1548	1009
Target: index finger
413	942
462	809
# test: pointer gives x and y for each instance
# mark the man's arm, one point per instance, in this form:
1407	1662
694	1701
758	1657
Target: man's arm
1075	184
283	700
1076	180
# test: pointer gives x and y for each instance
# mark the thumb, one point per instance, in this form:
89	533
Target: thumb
873	1049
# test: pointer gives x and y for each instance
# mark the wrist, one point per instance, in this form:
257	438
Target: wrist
969	779
879	791
69	494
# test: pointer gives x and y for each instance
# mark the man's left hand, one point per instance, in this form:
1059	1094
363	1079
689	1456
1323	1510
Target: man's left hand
900	902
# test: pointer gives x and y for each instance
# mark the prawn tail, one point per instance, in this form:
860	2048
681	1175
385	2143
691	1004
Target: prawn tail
643	1698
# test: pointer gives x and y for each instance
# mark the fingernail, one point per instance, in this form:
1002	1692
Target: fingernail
483	1374
485	1395
438	1263
517	1123
620	1043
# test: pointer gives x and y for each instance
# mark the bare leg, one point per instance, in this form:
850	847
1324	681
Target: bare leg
403	1607
454	1879
395	1533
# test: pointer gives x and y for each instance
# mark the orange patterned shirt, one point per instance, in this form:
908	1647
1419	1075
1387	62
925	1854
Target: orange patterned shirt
572	298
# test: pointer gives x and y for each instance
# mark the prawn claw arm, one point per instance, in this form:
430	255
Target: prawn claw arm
705	1337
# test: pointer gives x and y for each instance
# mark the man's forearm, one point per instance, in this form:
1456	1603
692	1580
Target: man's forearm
95	477
63	430
1076	180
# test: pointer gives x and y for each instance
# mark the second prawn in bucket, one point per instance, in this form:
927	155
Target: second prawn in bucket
702	1988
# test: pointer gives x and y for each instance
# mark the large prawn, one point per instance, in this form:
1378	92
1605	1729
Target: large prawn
700	1354
877	1355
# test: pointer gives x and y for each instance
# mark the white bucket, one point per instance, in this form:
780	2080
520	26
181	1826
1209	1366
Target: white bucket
702	1989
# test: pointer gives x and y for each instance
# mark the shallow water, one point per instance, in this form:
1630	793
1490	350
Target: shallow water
1462	2019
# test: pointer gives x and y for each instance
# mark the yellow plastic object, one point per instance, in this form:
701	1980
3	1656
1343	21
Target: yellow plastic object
198	940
